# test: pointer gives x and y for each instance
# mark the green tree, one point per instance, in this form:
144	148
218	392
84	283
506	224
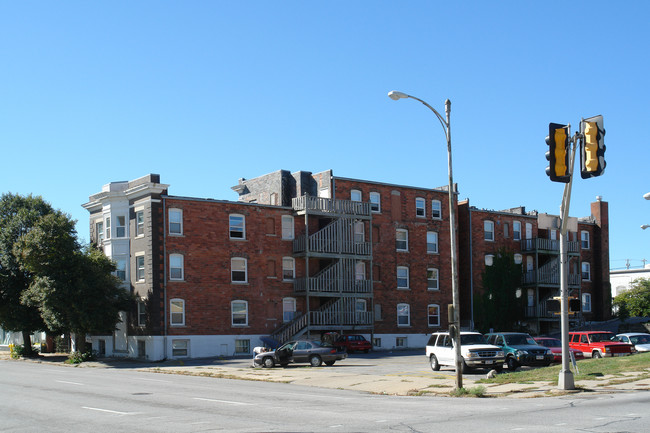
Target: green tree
634	302
501	305
18	215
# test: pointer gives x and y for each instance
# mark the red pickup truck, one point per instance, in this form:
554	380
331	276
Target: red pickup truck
598	344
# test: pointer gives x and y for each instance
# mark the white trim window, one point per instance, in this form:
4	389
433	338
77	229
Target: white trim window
586	302
359	232
288	268
433	282
432	242
518	259
488	230
108	227
402	277
99	231
142	313
355	195
516	231
120	227
436	209
239	270
120	269
242	346
288	309
375	202
359	271
176	267
584	240
586	271
180	348
239	313
489	259
177	312
420	207
237	226
175	221
139	268
403	315
402	239
433	314
139	223
287	227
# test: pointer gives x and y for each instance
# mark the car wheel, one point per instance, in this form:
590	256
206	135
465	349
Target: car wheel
596	354
315	361
463	367
435	366
330	363
512	364
268	362
498	368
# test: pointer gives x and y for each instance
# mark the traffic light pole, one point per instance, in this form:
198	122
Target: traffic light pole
565	380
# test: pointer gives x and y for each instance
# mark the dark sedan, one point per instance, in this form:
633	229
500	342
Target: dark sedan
303	351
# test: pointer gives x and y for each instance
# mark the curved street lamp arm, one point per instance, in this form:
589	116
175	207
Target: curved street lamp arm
442	120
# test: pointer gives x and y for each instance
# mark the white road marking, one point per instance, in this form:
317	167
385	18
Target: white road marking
106	410
71	383
223	401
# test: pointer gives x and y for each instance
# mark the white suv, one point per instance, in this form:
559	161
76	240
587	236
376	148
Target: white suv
474	349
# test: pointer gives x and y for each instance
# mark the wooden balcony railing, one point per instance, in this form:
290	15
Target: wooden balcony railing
540	244
329	206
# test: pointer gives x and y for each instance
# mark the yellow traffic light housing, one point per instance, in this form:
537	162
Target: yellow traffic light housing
592	149
558	153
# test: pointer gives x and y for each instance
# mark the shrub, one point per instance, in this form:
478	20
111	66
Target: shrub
79	357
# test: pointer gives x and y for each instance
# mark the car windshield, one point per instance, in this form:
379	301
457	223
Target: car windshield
550	342
519	339
640	339
604	336
472	339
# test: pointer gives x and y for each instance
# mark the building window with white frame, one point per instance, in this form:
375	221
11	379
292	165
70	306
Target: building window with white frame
586	302
488	230
355	195
242	346
239	270
402	239
177	312
433	282
142	313
239	313
99	230
516	231
586	271
402	277
139	223
108	227
436	209
401	342
518	259
403	315
432	242
180	348
584	238
120	269
288	309
175	222
287	227
139	268
433	314
120	227
359	232
237	226
489	259
375	202
420	207
176	267
288	268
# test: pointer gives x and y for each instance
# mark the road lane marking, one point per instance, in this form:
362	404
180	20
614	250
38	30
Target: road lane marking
223	401
107	410
71	383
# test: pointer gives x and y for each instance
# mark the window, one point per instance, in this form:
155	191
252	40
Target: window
378	313
142	313
108	227
175	222
516	230
586	271
432	279
237	227
288	309
177	312
99	229
238	270
402	239
139	268
287	227
242	346
239	312
139	223
403	315
432	242
436	209
402	277
584	238
433	314
552	234
359	271
180	347
120	228
355	195
176	267
506	230
288	268
586	302
401	342
488	230
518	259
489	259
420	207
120	271
360	306
375	202
359	232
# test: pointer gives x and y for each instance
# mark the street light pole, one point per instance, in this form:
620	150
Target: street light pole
455	319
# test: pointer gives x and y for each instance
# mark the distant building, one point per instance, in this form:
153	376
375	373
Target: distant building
302	254
622	279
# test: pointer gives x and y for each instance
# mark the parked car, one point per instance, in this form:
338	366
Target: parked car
597	344
475	351
520	349
556	347
353	343
640	340
309	351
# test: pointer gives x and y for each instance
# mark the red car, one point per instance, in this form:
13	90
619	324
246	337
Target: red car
353	343
556	347
598	344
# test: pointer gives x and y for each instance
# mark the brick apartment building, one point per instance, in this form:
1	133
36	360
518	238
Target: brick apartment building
301	254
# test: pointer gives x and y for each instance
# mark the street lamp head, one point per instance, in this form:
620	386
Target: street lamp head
645	226
395	95
645	196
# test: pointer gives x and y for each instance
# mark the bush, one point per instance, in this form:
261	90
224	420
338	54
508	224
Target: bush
18	351
79	357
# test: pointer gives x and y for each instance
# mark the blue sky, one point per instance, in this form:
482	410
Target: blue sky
206	92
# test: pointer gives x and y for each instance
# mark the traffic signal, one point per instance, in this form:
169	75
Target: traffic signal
558	153
574	305
592	150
